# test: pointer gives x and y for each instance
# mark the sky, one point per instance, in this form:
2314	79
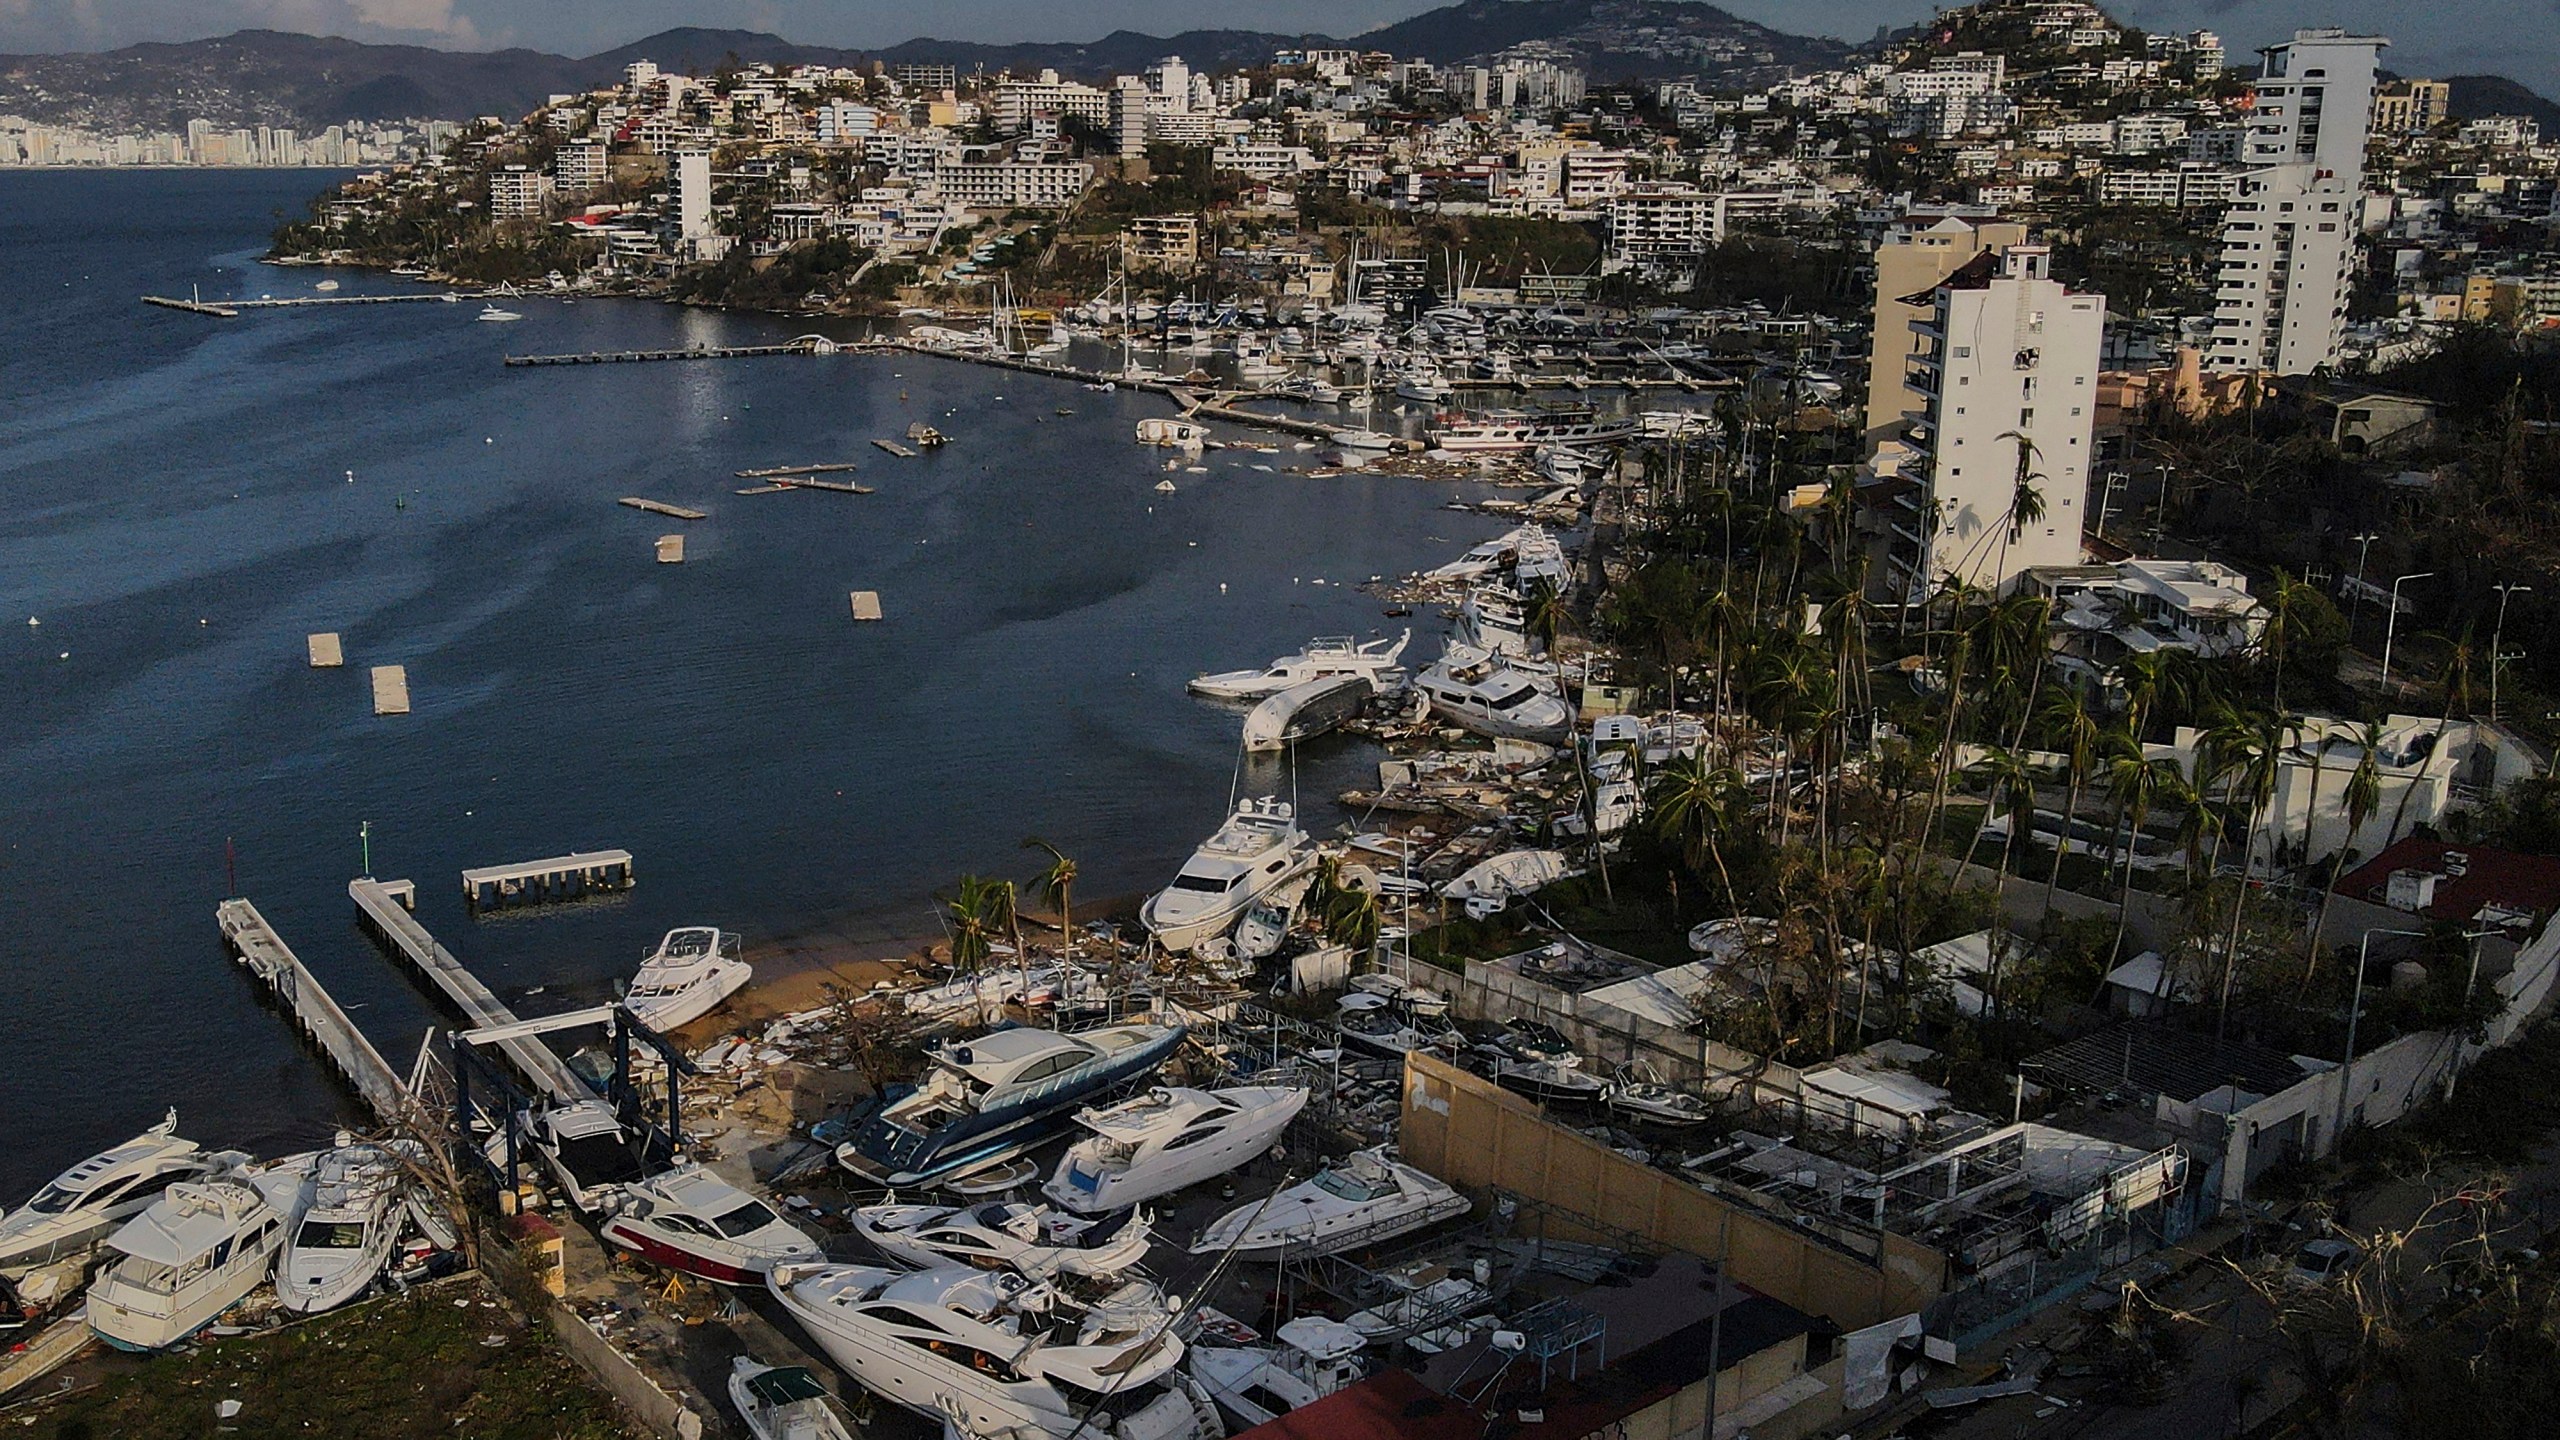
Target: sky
2519	38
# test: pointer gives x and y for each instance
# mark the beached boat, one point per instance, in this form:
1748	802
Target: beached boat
1550	1079
991	1098
199	1250
1639	1097
1166	1140
1324	657
1033	1239
692	1220
1509	874
1494	619
694	968
1496	431
1257	1384
1266	921
357	1213
82	1206
1374	1023
1479	691
1258	848
1426	1306
783	1402
592	1153
1305	711
1362	1199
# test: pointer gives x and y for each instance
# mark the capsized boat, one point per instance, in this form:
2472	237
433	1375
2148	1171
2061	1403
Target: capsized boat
1305	710
199	1250
692	1220
1363	1199
995	1096
1032	1239
358	1210
1266	921
1480	691
1257	1384
1323	657
83	1205
694	968
783	1402
1509	874
1258	848
1168	1139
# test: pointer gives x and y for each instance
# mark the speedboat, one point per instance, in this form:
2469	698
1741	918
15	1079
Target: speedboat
1324	657
592	1153
1375	1023
1266	921
199	1250
1259	848
358	1209
991	1098
83	1205
1257	1384
1363	1199
1031	1239
692	1220
1425	1307
1511	873
1639	1097
1479	691
783	1402
997	1354
1550	1079
693	969
1304	711
493	313
1166	1140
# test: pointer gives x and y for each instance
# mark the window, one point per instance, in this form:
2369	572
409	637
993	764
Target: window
329	1235
1964	352
744	1220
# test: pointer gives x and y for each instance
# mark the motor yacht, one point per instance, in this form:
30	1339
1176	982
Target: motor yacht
493	313
1539	562
1168	1139
1324	657
85	1204
991	1098
1478	690
1257	1384
1003	1352
1493	619
1482	559
358	1210
1266	922
692	1220
1304	711
694	968
1422	380
1509	874
783	1402
1031	1239
199	1250
1363	1199
592	1153
1258	848
1498	431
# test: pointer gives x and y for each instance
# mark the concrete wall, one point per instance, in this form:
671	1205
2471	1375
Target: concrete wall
1475	1135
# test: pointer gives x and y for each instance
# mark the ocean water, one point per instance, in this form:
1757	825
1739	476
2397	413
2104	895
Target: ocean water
177	512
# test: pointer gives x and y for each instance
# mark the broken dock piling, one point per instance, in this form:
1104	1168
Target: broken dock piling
537	882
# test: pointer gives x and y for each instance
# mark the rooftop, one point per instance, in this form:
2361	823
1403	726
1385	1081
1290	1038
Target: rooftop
2468	879
2148	1058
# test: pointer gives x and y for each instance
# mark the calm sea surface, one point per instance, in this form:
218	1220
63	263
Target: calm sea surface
176	511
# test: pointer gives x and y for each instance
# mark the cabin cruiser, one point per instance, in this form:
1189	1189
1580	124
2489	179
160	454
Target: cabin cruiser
1483	559
1266	922
693	969
1377	1024
1639	1097
1031	1239
1168	1139
1324	657
1563	1079
1493	431
991	1098
1423	381
493	313
591	1152
1539	560
1360	1200
1005	1354
358	1210
1304	711
1493	619
783	1402
1425	1306
692	1220
83	1205
1480	691
1257	1384
1259	848
199	1250
1511	873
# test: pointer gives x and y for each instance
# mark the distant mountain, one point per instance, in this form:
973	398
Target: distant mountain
2478	96
267	77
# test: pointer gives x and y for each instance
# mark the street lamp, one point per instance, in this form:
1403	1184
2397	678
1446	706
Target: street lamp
2391	626
2355	1012
2364	546
2497	643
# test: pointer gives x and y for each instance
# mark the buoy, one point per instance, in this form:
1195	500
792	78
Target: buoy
1222	587
201	621
33	622
489	440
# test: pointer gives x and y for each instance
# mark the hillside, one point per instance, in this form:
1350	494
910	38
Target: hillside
267	77
2478	96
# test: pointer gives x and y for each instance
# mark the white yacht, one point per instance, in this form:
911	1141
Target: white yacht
493	313
1305	711
1511	873
1423	381
1257	1384
1002	1352
1266	922
783	1402
1479	691
83	1205
1426	1306
1638	1096
199	1250
1031	1239
1495	431
1259	847
358	1209
1324	657
1540	560
1166	1140
1492	618
1362	1200
1483	559
692	1220
694	968
991	1098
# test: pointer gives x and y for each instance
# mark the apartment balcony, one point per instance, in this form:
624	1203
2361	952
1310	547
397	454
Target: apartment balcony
1923	381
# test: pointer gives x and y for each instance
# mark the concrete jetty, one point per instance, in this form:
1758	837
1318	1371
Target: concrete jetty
534	882
380	906
262	952
661	507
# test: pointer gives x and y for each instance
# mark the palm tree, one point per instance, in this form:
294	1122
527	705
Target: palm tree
1546	613
1056	885
2013	786
977	917
2080	739
2136	784
2363	796
2026	502
2256	747
2148	681
2288	604
1693	802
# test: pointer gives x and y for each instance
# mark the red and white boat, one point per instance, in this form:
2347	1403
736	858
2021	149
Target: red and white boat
692	1220
1494	430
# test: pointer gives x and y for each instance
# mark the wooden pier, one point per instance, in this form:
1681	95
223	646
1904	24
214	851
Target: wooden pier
827	467
808	482
193	307
263	953
698	352
535	882
379	906
390	690
661	507
230	309
894	448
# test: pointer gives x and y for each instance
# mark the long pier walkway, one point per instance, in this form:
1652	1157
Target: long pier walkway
260	950
378	902
228	309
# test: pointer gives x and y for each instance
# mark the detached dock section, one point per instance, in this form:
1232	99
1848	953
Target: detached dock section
661	507
538	882
263	953
379	905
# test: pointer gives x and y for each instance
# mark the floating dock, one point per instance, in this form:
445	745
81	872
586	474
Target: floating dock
698	352
379	905
840	487
866	604
894	448
326	652
829	467
390	690
670	549
536	882
262	952
661	507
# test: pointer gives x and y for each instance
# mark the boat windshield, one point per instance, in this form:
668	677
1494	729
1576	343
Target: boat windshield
329	1235
1513	699
745	1220
1209	883
1347	1186
53	1200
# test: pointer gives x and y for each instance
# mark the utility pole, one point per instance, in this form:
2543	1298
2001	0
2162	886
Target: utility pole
2391	626
2497	643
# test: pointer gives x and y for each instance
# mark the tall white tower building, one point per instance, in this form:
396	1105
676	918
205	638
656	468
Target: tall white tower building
2289	239
692	196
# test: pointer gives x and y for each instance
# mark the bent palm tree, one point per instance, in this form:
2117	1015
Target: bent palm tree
1056	885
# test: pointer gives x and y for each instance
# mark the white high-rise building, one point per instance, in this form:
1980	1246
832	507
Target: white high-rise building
2289	239
2008	367
691	178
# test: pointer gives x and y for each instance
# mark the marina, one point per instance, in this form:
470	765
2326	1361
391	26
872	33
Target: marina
263	953
383	907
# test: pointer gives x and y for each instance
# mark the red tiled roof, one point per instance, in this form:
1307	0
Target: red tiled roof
2490	876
